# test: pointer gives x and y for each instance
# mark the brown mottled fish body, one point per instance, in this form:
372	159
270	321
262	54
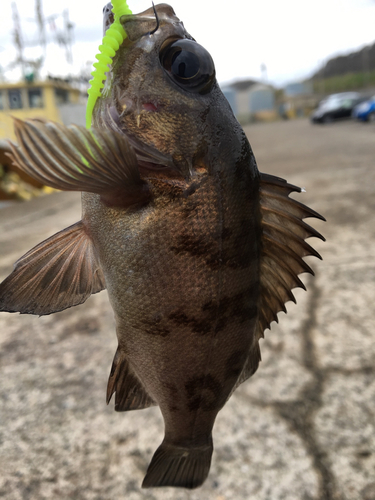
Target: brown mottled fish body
183	280
186	287
197	249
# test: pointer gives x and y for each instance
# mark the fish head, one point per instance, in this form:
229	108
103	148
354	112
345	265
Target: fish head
162	94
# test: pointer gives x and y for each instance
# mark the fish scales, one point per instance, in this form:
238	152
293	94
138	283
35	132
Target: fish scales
181	284
197	249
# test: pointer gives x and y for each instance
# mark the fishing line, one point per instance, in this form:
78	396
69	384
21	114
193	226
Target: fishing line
157	21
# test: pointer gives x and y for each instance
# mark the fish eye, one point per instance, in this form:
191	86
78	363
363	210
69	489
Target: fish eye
189	65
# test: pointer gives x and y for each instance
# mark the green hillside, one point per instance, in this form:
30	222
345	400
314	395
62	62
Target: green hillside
343	83
354	71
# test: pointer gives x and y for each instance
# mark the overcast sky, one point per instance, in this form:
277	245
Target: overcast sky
291	37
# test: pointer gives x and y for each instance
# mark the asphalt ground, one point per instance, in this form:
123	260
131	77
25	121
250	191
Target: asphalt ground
302	428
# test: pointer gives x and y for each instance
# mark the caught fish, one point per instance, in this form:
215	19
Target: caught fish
197	249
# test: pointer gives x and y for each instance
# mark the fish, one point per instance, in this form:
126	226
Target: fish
198	250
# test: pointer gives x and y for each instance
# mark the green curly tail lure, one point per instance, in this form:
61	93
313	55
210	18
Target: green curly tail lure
112	40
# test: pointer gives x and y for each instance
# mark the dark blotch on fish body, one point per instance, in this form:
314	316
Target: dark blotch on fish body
203	392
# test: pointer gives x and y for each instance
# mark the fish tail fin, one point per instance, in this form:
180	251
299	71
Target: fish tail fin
178	466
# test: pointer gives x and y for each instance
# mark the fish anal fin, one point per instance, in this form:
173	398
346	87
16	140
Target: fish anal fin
130	393
61	272
283	247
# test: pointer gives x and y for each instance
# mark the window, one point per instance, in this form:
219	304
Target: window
15	99
35	98
347	103
61	96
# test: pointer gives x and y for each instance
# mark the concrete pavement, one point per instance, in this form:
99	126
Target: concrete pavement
303	428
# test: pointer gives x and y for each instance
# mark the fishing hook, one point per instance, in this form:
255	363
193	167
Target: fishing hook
157	21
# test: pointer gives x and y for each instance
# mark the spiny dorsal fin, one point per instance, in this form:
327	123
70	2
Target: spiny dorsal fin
130	393
283	247
61	272
76	159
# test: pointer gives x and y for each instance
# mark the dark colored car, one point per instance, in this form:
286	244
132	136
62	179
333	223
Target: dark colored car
365	111
335	107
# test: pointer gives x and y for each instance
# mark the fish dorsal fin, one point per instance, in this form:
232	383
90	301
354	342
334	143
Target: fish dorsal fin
283	247
282	251
61	272
76	159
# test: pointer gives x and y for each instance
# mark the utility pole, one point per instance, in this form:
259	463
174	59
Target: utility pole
263	70
17	37
41	24
63	36
366	65
68	36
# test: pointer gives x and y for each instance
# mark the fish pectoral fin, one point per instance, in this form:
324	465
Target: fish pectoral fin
179	466
130	393
61	272
283	247
76	159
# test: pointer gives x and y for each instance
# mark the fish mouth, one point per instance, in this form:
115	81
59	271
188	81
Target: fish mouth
108	17
151	161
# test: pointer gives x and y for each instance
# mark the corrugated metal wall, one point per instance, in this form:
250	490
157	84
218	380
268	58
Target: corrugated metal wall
261	100
231	98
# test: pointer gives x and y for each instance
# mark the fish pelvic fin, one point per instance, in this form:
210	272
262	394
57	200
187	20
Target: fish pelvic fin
130	393
283	247
179	466
61	272
76	159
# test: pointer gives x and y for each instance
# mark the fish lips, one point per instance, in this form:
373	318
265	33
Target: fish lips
108	17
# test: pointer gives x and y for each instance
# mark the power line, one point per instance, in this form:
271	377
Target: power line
63	36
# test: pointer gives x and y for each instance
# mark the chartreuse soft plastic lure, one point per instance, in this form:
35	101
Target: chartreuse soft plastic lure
112	40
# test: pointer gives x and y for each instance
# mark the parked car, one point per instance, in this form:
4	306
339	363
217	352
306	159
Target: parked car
365	111
336	106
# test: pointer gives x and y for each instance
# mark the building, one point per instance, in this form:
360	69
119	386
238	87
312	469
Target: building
251	100
298	100
53	99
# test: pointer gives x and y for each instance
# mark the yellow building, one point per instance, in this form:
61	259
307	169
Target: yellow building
52	99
